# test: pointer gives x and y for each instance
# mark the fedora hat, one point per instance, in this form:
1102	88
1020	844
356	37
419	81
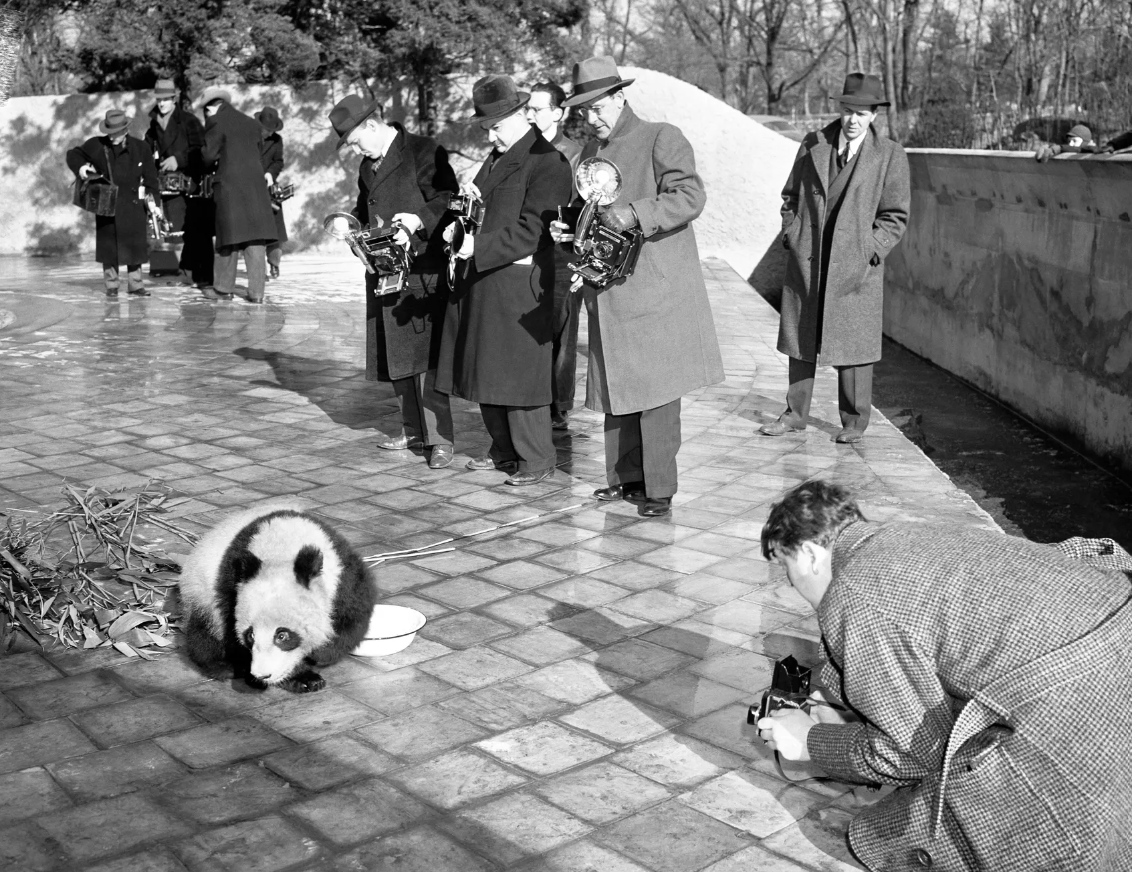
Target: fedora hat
349	113
495	97
164	88
269	118
114	122
862	89
593	78
214	92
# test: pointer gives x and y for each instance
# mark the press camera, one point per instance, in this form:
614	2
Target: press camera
281	191
376	246
467	209
789	688
605	255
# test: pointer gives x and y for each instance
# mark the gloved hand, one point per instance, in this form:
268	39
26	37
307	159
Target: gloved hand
619	217
1045	151
169	164
86	171
412	223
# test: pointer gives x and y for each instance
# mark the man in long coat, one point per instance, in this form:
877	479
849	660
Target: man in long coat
127	162
496	348
651	335
544	111
272	145
244	220
404	178
991	679
845	206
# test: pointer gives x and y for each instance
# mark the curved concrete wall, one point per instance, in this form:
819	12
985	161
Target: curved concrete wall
1017	277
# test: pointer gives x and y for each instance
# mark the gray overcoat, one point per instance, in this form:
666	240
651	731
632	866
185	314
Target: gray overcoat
834	316
1004	662
651	335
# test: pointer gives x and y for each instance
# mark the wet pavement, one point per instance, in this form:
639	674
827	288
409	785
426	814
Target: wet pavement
576	700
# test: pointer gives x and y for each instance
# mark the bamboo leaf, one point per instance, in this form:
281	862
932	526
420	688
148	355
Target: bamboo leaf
125	649
127	622
159	641
93	639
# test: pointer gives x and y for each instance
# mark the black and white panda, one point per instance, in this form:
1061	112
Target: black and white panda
272	592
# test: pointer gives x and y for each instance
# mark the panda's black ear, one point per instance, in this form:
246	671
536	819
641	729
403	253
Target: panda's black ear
247	565
308	564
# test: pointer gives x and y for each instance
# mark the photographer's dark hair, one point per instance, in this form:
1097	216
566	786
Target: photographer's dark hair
815	511
556	94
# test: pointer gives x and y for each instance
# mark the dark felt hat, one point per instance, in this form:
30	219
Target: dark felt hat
269	118
593	78
349	113
115	122
862	89
164	88
496	97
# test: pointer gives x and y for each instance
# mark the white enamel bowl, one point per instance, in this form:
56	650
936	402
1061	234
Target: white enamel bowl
391	629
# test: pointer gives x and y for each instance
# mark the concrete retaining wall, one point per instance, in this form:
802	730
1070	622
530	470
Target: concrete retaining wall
1017	277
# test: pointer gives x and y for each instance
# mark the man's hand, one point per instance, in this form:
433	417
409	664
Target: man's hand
576	283
822	710
270	180
86	171
467	248
169	164
411	222
786	731
619	217
449	232
560	232
470	188
1045	152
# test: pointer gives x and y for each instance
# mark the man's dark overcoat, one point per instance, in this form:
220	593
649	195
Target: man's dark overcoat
239	190
496	347
651	335
834	315
921	623
181	138
121	238
403	330
273	163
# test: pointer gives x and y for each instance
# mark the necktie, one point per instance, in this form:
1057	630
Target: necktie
843	158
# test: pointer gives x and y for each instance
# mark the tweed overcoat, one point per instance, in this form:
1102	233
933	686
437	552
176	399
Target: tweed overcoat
929	629
832	295
651	335
272	158
120	238
403	330
239	190
496	347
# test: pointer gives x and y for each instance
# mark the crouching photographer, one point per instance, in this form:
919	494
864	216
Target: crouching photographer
991	679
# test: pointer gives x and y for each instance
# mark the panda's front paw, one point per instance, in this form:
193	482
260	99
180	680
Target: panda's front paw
305	682
254	683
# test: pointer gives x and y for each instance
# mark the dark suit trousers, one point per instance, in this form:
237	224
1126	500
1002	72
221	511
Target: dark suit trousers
642	446
520	433
425	412
564	342
854	394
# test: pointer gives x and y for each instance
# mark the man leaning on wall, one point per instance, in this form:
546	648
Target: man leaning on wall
845	207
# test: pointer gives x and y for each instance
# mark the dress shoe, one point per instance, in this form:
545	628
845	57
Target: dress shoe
486	462
213	294
522	479
112	292
633	491
139	292
560	420
655	506
397	443
440	456
848	436
274	271
779	428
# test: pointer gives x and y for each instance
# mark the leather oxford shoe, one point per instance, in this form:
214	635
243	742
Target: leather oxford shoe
779	428
522	479
655	506
440	456
848	436
486	462
633	491
396	443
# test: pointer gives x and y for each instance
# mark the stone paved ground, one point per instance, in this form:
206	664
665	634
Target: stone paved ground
576	700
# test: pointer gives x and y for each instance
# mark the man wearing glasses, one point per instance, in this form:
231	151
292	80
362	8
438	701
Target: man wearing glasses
651	334
544	111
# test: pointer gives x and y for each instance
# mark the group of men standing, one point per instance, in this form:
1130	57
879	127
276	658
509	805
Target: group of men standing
212	180
502	332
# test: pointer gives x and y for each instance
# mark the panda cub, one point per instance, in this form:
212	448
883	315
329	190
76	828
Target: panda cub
272	592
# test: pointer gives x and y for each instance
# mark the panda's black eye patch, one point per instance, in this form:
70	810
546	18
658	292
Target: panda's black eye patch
249	637
287	640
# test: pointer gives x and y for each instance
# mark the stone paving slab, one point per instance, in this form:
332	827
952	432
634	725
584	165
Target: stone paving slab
577	699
